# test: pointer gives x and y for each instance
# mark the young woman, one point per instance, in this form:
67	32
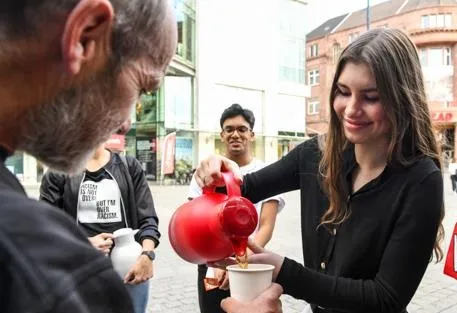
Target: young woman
371	188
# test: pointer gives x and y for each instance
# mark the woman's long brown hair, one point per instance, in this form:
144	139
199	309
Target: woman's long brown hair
394	62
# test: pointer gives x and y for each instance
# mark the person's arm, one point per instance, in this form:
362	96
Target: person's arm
148	224
280	176
147	216
401	268
267	220
52	188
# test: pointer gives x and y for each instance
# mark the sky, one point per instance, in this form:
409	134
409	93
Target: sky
319	11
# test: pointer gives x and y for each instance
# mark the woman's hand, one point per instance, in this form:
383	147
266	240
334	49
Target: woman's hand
262	256
259	256
208	172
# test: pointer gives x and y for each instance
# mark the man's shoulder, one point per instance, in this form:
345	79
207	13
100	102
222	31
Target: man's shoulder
43	252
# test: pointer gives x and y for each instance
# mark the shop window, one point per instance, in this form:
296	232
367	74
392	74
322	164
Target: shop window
313	77
185	17
313	50
436	20
353	36
313	107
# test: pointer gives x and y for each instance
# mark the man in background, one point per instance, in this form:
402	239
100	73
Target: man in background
237	124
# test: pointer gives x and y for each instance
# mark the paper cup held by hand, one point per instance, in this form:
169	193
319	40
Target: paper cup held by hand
247	283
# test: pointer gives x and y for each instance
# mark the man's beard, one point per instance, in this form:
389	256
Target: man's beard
63	134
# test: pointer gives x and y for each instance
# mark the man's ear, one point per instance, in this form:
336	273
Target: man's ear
87	35
252	137
222	136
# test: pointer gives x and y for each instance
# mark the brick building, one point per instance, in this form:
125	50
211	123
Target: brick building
432	25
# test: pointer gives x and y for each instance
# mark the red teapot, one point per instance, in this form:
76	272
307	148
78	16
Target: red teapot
213	226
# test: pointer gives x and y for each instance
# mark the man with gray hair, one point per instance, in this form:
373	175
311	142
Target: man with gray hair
70	71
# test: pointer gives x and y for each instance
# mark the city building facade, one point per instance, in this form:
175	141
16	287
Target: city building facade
431	24
225	55
251	53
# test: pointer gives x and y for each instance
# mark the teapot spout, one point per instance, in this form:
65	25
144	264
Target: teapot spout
135	231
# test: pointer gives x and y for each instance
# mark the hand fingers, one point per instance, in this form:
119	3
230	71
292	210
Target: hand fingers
219	274
106	236
222	264
230	166
224	285
254	247
105	244
228	303
209	171
279	307
272	295
274	291
130	276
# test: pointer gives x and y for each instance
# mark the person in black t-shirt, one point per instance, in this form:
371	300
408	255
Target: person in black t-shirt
110	194
70	72
372	188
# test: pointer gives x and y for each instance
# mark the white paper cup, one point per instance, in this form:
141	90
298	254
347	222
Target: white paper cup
247	283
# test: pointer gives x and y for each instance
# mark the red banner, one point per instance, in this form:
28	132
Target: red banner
450	267
168	154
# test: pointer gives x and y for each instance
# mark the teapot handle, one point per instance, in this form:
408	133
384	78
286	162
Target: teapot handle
233	187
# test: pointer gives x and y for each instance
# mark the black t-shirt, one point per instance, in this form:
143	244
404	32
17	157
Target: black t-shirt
100	205
46	263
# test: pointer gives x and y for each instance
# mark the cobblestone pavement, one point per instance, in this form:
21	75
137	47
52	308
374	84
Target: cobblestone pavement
173	288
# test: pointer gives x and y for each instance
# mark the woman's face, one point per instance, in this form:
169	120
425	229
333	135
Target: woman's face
358	107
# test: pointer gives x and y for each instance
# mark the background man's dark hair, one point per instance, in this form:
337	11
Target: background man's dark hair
236	110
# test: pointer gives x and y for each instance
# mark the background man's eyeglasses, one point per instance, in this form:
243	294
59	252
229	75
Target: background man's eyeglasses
240	130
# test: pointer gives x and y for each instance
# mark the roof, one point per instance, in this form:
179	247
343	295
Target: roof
326	28
419	4
378	12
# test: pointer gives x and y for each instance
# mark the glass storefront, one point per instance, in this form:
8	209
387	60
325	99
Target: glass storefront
185	16
161	137
15	164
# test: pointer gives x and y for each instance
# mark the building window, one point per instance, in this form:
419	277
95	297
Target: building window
436	20
313	50
436	56
424	21
185	18
423	56
313	107
313	77
336	52
447	56
448	20
353	36
292	60
292	51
